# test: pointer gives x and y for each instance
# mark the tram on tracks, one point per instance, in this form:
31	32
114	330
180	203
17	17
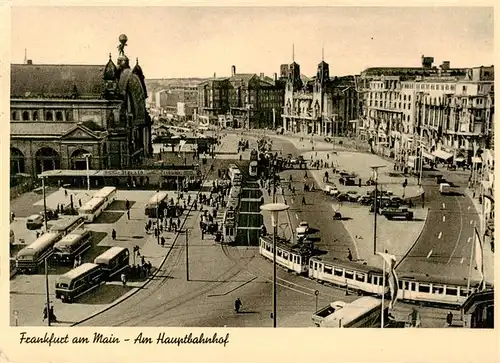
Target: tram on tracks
364	279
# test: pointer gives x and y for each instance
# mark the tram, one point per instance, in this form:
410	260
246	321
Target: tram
253	168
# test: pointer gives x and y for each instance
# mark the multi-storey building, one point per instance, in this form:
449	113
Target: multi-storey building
320	105
248	99
63	114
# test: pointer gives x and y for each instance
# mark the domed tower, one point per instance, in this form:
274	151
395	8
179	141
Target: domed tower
138	72
109	78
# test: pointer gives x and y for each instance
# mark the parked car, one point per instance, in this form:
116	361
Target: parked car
392	213
34	221
365	200
347	180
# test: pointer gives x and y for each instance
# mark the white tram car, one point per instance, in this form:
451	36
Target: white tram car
253	169
369	280
286	256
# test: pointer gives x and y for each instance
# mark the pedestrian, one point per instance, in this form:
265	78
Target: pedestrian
80	202
65	193
127	204
113	234
123	278
162	241
449	318
142	260
237	305
128	214
303	200
349	254
37	234
359	183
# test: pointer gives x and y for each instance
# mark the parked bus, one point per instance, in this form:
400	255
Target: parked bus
67	226
108	194
72	245
30	257
113	261
78	281
362	313
159	202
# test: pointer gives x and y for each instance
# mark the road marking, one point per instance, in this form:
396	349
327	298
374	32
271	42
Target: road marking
462	260
460	232
429	254
296	216
444	218
468	240
471	221
468	208
444	206
440	235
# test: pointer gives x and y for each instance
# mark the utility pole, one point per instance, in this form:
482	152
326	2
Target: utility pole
158	217
47	291
375	206
187	256
44	205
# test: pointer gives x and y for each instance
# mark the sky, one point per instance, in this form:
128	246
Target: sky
200	41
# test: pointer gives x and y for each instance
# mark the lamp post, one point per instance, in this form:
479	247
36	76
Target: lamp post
375	211
87	156
158	216
44	205
274	208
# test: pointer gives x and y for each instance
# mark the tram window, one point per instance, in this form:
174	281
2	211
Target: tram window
298	259
338	272
407	285
451	291
424	288
369	279
437	289
268	247
315	266
413	287
278	252
311	264
463	292
349	275
375	280
360	277
285	255
380	281
327	270
400	284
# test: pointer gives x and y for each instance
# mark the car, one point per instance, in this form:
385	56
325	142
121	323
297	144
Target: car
302	229
328	188
347	180
365	200
392	213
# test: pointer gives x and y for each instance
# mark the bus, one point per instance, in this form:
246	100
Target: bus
30	257
78	281
113	261
72	246
67	226
108	194
159	202
92	209
364	312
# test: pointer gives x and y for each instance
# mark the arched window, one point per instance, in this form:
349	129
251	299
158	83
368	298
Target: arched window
26	116
14	115
48	116
59	116
35	116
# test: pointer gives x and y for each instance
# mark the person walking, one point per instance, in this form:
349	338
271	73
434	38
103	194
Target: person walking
113	234
303	200
128	214
162	241
123	278
127	204
349	254
237	305
449	318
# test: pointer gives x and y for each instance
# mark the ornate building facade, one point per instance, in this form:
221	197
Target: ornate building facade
321	105
62	115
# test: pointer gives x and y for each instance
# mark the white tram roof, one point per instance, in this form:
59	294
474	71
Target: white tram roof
91	204
436	280
158	197
83	268
72	237
353	310
351	265
109	254
40	242
104	192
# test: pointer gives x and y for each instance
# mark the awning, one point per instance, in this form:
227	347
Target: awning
441	154
427	155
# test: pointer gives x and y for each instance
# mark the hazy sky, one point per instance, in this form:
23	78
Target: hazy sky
190	41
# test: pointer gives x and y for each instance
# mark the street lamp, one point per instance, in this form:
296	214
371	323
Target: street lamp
274	208
158	216
87	156
375	178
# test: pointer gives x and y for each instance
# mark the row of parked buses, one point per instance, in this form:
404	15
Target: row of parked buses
366	279
99	202
88	276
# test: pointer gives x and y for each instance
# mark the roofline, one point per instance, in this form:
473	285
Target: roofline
59	65
67	100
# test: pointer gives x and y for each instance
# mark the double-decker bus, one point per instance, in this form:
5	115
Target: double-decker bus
157	203
68	225
30	257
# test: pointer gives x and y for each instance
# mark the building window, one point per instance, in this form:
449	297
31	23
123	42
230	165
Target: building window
59	116
14	115
48	116
26	116
35	116
69	115
409	97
